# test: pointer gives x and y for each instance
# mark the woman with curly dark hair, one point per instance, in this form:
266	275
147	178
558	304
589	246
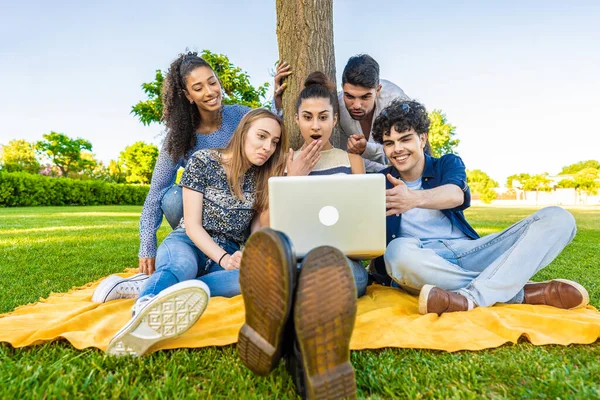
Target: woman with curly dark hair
195	119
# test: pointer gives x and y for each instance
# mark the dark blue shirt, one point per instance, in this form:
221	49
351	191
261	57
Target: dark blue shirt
448	169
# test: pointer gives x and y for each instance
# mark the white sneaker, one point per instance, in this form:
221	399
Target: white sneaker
166	315
114	287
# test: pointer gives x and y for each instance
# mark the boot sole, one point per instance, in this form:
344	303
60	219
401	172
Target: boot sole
266	284
166	316
324	315
423	297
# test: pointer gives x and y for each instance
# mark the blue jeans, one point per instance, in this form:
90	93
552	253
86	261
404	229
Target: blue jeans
489	270
178	259
172	206
361	276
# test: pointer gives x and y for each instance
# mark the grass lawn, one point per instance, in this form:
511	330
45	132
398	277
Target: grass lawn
52	249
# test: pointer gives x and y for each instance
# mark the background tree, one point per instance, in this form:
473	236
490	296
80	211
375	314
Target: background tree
517	180
441	134
305	41
65	153
19	155
137	162
574	168
236	87
588	181
482	184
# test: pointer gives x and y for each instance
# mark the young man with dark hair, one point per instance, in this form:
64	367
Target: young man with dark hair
364	95
433	250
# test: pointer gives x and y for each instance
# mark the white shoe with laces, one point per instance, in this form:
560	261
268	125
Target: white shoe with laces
115	287
155	318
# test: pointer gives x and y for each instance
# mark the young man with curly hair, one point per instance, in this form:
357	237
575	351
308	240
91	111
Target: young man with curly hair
432	249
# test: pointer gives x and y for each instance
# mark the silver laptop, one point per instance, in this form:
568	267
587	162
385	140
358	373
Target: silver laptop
344	211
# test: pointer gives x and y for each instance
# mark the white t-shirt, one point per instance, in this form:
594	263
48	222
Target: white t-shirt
427	224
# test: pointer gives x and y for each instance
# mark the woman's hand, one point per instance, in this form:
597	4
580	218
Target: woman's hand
282	70
231	262
306	160
147	265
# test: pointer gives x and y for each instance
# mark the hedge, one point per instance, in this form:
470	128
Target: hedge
18	189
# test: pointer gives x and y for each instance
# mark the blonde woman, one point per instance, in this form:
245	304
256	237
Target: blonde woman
224	194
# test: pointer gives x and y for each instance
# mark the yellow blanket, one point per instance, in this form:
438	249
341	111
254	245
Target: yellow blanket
386	318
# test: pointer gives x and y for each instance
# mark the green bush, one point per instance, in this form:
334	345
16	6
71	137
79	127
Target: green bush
18	189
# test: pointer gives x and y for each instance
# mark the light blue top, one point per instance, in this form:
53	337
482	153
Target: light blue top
165	173
427	224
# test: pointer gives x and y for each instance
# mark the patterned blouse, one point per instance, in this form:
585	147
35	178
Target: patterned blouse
224	217
165	172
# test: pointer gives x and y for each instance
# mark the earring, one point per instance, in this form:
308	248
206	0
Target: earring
191	101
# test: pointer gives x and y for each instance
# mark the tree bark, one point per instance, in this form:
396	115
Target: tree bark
305	40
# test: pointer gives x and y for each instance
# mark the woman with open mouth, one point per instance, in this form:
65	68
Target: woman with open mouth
280	294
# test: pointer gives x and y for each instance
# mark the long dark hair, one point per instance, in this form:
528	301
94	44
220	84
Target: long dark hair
180	117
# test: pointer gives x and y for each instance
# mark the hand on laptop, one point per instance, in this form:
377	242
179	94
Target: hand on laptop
398	199
306	160
357	144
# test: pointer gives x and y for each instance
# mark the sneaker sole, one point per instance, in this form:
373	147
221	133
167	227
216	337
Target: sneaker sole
99	297
324	315
423	297
266	286
166	316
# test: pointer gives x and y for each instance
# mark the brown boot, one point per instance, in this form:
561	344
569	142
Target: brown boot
324	316
559	293
436	300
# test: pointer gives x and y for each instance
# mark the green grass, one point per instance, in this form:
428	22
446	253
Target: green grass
44	250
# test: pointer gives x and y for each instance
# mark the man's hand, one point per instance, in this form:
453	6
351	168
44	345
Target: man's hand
230	262
282	70
357	144
400	198
306	160
147	265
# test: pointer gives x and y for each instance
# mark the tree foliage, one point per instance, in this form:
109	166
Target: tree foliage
237	89
482	184
441	134
149	111
574	168
517	180
19	156
66	153
137	162
586	180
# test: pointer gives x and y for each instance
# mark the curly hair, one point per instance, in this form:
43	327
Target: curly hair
402	115
180	117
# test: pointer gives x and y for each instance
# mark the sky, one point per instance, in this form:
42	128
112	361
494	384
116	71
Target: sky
518	79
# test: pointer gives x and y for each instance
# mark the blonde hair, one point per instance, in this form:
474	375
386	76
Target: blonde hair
238	164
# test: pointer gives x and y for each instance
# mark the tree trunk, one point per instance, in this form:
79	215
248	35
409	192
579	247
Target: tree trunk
305	39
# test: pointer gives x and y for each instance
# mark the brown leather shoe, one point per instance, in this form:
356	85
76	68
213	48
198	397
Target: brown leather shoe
559	293
436	300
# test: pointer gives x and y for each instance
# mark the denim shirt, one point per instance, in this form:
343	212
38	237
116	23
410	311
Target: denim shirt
448	169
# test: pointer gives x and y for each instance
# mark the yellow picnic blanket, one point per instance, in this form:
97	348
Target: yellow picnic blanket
386	317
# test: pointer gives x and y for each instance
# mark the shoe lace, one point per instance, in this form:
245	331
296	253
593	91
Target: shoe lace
130	289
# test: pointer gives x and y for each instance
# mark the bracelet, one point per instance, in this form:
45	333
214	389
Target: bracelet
220	259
